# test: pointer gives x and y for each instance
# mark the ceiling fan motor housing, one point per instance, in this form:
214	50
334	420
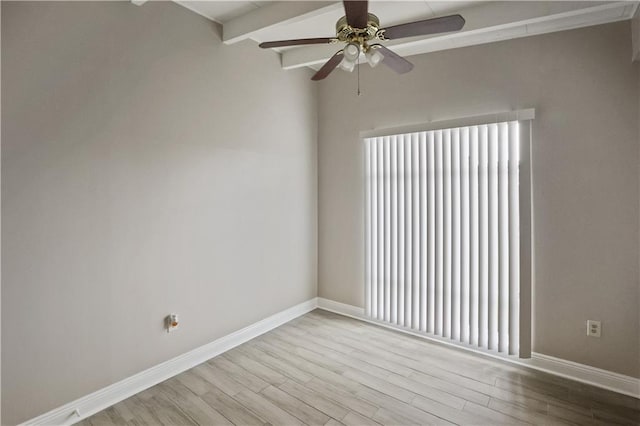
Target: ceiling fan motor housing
348	34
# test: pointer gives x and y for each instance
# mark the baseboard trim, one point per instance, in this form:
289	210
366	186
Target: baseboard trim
341	308
605	379
88	405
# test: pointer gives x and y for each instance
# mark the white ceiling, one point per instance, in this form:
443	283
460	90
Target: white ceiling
486	21
389	13
222	11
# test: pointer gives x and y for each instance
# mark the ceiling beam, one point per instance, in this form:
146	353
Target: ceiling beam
279	13
487	23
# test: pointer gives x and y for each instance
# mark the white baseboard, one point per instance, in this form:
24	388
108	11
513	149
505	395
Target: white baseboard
605	379
88	405
341	308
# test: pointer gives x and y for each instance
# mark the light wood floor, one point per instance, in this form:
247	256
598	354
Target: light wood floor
326	369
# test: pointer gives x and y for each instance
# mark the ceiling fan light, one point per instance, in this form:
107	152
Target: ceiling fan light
351	52
347	65
374	57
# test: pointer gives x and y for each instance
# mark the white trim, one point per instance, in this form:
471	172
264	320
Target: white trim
598	377
497	117
488	22
273	15
88	405
341	308
586	374
359	314
197	12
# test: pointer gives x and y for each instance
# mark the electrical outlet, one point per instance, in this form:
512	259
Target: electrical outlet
171	322
594	328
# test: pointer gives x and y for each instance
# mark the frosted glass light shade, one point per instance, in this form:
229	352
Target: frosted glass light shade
347	64
351	52
374	57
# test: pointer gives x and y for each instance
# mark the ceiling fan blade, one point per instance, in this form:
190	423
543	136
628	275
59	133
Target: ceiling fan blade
428	26
297	42
357	13
393	60
329	66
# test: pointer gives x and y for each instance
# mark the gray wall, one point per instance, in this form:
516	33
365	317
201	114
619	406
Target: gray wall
146	169
585	166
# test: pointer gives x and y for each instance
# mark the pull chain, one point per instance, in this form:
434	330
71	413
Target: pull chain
358	65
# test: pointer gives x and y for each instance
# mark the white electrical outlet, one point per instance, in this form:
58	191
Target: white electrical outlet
594	328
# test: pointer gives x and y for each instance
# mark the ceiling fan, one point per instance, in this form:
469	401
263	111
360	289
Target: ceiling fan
359	27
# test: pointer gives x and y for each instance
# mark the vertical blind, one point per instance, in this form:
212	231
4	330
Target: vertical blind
442	233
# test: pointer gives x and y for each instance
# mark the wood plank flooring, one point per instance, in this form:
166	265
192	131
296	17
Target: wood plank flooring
326	369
